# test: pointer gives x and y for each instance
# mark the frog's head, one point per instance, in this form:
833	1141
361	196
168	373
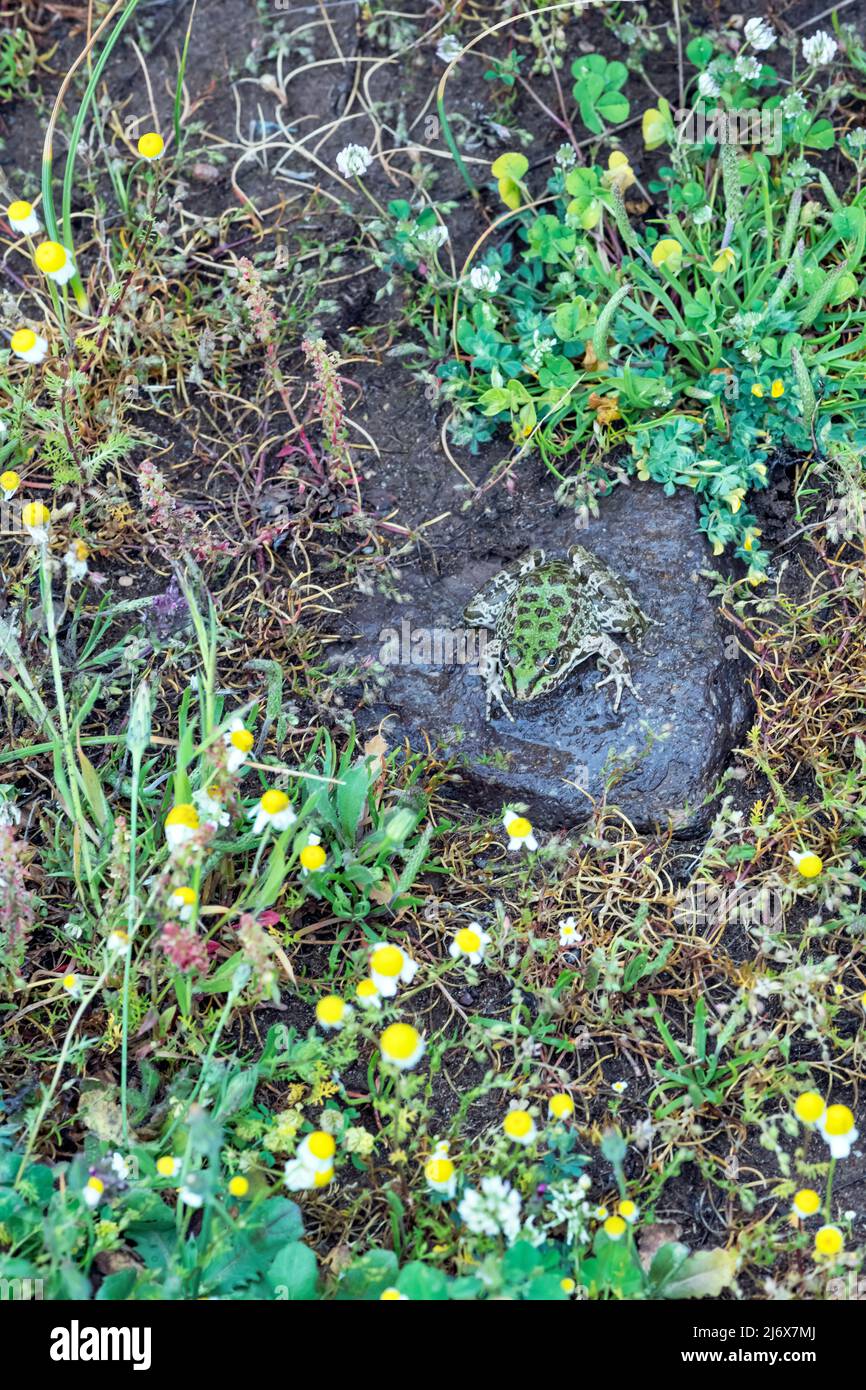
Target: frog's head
536	669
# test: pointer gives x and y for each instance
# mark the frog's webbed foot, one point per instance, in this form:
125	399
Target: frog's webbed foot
490	673
611	658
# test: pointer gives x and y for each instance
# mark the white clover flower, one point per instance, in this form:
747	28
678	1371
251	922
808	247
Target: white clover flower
29	346
492	1211
567	1205
747	67
819	49
448	48
566	156
239	744
702	215
484	279
273	810
181	902
708	86
519	831
22	218
190	1197
793	105
469	943
759	34
354	161
568	933
390	966
836	1125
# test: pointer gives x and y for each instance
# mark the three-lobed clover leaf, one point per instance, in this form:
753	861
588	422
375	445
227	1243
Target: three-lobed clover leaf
598	91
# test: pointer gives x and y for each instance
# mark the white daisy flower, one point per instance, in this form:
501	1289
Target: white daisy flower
181	902
312	857
10	482
390	966
441	1175
568	933
54	261
367	994
208	803
117	943
181	825
120	1167
274	810
469	943
22	218
332	1013
93	1192
402	1046
520	1127
837	1126
36	520
239	744
519	831
29	346
354	161
620	1087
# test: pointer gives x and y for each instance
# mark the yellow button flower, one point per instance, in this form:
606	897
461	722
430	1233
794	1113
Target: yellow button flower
615	1227
54	261
809	864
332	1012
239	1186
181	824
9	483
806	1202
561	1106
151	145
441	1176
29	346
829	1241
809	1107
22	218
312	856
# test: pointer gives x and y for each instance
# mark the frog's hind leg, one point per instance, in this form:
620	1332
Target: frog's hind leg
610	596
611	658
485	607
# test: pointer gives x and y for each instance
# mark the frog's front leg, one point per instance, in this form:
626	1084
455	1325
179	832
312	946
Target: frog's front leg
490	671
611	657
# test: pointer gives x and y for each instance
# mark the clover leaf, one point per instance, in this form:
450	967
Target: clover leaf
598	91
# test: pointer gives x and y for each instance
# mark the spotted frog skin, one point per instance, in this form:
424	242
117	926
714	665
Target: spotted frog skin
547	616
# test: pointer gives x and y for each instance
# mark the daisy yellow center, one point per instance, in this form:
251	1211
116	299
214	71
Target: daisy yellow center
567	1285
321	1145
627	1209
400	1041
9	481
389	1296
838	1120
829	1240
519	828
807	1201
312	857
239	1187
367	989
322	1179
185	895
330	1009
387	961
69	981
19	212
50	257
468	940
561	1105
809	865
273	802
243	740
96	1184
517	1124
151	145
439	1170
614	1226
809	1107
165	1166
24	340
183	814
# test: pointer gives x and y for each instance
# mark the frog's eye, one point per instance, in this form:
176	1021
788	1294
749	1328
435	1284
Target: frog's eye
552	661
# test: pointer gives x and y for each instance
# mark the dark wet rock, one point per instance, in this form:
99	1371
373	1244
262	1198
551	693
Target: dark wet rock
693	706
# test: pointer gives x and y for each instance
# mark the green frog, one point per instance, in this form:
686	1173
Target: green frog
547	616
